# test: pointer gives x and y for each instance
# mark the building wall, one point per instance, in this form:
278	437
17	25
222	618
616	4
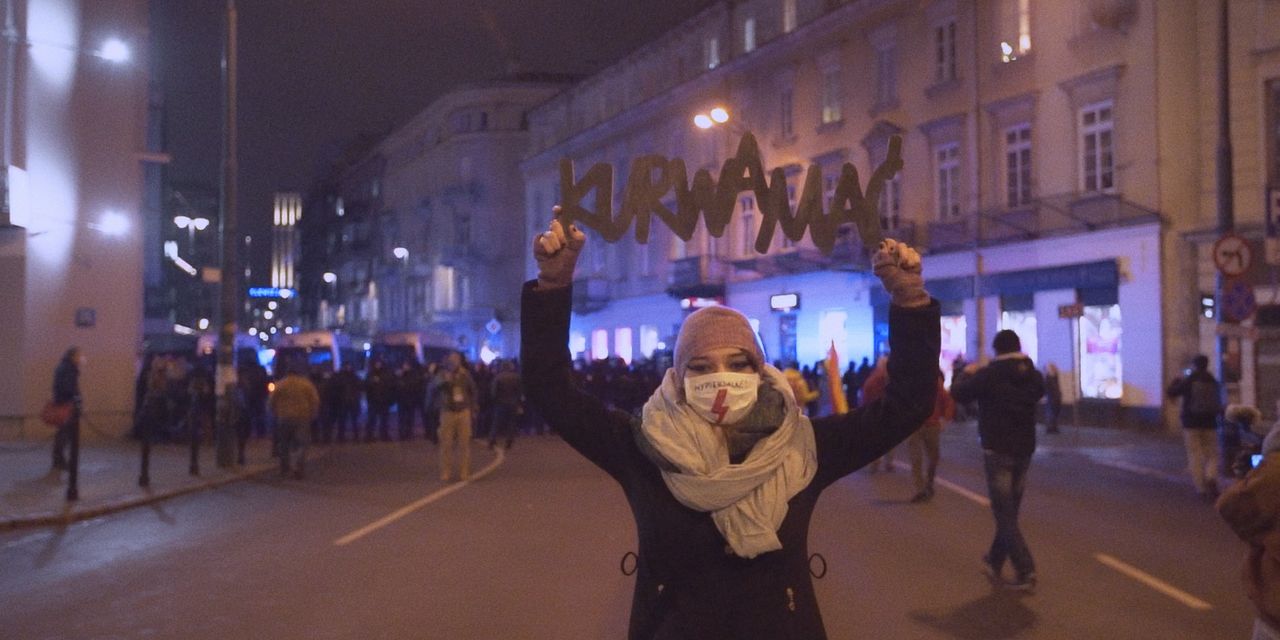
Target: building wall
1137	58
80	125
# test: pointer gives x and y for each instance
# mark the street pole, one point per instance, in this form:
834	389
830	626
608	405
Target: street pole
1226	208
230	300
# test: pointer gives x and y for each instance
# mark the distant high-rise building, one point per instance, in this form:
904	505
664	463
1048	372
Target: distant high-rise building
284	239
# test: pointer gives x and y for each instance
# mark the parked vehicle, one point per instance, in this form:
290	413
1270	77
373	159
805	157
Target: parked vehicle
396	349
305	351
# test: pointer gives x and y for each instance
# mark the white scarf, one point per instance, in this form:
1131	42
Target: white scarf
747	501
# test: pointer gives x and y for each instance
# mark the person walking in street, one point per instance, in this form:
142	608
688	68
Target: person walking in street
295	403
924	445
722	471
1007	391
66	392
1252	508
1201	405
457	393
508	404
1053	398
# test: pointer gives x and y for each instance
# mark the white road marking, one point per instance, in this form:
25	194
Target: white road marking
1153	582
977	498
419	503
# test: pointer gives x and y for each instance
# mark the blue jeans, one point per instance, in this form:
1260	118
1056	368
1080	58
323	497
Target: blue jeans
1006	480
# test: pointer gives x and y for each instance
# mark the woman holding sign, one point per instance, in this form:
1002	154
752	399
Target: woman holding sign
722	471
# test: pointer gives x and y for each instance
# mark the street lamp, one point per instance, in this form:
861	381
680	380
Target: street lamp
114	50
402	254
192	225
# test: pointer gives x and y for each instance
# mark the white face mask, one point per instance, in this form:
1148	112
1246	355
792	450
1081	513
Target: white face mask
722	398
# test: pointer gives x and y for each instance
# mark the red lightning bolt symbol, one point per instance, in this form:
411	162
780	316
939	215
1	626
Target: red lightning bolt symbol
718	407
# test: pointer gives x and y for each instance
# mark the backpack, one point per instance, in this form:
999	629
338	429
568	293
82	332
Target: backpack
1203	397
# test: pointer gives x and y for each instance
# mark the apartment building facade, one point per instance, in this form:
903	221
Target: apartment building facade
1055	175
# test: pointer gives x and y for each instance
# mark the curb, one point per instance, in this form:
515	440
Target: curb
70	514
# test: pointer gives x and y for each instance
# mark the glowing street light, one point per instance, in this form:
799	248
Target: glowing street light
114	50
112	223
400	253
703	121
330	277
720	115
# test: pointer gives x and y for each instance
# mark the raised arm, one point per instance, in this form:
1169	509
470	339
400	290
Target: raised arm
848	442
602	435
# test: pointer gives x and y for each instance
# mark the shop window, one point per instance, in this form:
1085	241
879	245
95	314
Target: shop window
622	343
954	344
648	340
1022	320
831	329
1100	354
599	344
577	344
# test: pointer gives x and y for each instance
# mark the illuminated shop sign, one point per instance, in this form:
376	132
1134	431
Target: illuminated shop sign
784	301
270	292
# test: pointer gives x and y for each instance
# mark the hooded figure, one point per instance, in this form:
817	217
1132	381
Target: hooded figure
722	470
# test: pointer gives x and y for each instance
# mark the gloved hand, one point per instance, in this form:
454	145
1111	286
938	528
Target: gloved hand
898	266
557	254
764	419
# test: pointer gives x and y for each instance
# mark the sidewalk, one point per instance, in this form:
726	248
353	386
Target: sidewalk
31	494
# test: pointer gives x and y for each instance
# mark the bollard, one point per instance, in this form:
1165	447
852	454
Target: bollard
73	465
144	478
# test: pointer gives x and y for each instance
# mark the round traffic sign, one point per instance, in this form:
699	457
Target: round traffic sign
1238	301
1232	255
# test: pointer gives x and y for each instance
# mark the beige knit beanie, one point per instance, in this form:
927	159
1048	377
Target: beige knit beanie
711	328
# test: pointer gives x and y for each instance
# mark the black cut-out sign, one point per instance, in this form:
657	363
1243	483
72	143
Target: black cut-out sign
652	177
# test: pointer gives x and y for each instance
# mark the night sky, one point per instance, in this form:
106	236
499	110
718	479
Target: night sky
315	73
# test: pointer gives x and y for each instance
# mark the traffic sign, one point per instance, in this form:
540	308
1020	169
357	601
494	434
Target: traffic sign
1075	310
1238	301
1232	255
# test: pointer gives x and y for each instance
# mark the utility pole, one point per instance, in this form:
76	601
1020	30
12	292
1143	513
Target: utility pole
1226	206
230	300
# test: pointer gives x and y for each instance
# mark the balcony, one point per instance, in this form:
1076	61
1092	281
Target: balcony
1058	215
697	276
590	294
849	254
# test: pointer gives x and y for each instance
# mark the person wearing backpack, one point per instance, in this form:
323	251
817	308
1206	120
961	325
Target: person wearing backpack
1201	405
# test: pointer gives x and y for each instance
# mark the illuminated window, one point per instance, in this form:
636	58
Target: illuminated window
599	344
1023	323
648	340
831	95
954	344
713	52
622	343
1096	140
1100	361
1015	29
788	16
577	344
748	35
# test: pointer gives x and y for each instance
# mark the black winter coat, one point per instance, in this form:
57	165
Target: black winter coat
688	584
1007	391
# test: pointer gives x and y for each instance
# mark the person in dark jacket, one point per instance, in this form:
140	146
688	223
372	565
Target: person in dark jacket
379	392
411	393
1201	405
1007	392
722	471
66	390
508	404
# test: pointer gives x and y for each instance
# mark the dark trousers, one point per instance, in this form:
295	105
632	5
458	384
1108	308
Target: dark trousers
505	418
1006	480
61	443
379	415
408	416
